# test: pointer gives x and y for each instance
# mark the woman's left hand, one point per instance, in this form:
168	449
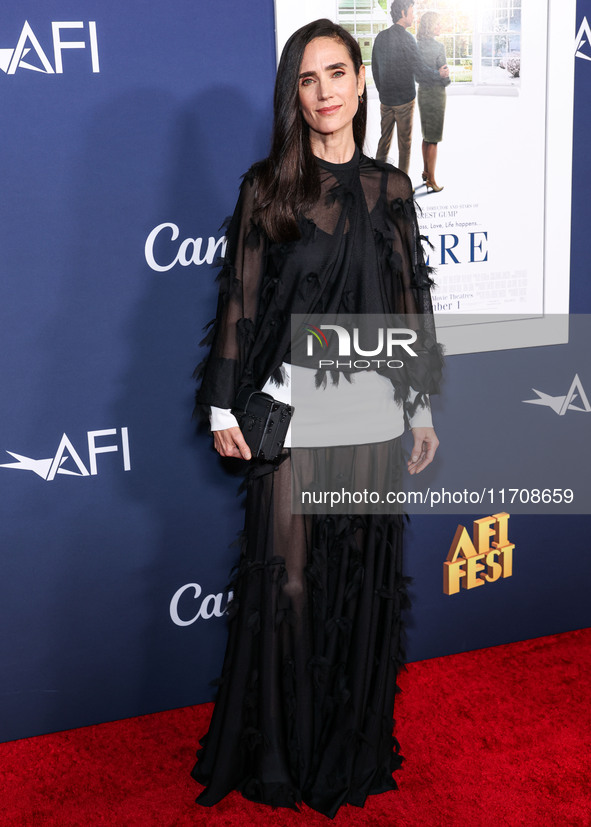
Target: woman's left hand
423	450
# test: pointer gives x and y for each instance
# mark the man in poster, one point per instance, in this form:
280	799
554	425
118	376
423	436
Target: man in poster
397	65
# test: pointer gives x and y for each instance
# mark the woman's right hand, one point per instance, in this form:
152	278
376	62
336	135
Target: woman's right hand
231	443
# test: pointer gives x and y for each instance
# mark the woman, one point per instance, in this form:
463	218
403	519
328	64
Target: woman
304	709
432	98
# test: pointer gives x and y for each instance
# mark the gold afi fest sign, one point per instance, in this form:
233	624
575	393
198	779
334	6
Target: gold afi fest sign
474	562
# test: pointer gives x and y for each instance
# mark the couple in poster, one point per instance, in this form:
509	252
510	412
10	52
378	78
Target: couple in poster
398	62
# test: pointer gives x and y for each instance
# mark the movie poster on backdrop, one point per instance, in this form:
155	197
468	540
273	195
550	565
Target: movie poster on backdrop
500	150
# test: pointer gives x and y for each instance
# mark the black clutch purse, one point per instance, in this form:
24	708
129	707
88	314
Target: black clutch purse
263	421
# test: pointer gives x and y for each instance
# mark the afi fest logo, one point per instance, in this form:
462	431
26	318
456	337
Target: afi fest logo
583	41
29	47
561	404
66	459
473	562
387	339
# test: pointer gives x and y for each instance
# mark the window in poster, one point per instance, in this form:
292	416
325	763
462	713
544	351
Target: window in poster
500	227
482	39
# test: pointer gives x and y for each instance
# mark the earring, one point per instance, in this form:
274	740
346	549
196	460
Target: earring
360	98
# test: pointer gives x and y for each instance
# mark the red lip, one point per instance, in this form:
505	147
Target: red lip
328	110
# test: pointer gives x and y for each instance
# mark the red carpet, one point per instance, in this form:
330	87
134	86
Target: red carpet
496	736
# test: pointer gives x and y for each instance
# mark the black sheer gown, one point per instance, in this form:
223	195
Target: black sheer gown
304	710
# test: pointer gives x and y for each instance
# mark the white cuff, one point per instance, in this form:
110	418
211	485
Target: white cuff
422	416
221	418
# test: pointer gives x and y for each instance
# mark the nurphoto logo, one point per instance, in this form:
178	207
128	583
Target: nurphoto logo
388	341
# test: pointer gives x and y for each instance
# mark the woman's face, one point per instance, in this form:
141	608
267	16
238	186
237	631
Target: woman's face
329	87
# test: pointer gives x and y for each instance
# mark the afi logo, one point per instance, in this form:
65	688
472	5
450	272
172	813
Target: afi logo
67	459
583	40
561	404
28	46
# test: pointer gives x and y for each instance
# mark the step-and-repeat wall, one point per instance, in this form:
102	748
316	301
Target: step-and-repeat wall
125	130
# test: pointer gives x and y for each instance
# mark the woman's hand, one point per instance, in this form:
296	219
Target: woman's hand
423	450
231	443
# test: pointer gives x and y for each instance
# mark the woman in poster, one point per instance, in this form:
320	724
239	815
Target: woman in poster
431	97
306	696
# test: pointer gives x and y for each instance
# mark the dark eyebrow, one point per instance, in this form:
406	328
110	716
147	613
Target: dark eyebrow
328	69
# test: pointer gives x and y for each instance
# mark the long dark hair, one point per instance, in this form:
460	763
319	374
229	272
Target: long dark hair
288	180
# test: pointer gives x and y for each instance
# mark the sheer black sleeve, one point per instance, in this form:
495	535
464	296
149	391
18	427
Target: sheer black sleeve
408	279
231	332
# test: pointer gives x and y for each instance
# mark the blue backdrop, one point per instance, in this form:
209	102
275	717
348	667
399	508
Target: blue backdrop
125	129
